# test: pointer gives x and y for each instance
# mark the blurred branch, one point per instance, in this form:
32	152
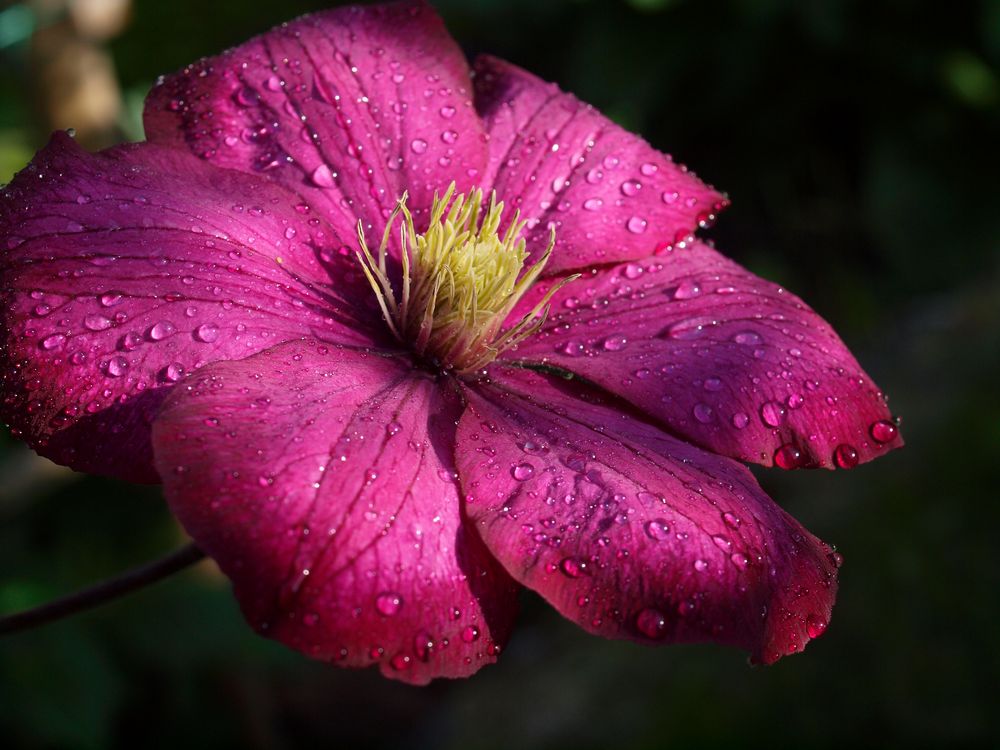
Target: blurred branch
100	593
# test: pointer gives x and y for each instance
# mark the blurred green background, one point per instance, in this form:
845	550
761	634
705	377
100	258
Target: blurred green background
859	143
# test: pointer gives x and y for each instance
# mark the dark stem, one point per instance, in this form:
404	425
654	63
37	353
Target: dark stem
101	592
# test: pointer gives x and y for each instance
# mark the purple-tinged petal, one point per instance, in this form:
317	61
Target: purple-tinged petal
123	271
725	359
347	107
322	482
608	193
631	533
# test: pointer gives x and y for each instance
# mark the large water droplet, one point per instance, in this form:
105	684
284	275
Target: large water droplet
206	333
323	177
788	456
636	225
846	456
161	330
388	603
651	623
524	471
96	323
883	431
772	413
657	529
703	413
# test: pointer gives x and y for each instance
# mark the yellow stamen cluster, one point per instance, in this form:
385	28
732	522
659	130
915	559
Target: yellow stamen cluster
460	281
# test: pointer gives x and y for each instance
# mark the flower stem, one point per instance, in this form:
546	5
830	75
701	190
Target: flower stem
101	592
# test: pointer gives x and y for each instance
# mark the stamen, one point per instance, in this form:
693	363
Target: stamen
460	281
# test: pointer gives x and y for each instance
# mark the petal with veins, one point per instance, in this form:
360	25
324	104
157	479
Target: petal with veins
332	504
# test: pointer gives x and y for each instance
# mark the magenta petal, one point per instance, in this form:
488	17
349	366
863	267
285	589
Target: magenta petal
608	193
631	533
322	482
124	271
730	361
348	107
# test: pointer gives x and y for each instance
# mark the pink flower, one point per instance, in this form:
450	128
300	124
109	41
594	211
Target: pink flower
380	440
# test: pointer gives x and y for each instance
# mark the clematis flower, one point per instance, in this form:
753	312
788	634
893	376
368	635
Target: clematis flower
400	339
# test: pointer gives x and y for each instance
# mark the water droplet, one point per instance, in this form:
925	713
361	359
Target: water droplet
651	623
615	343
173	372
592	204
447	112
883	431
393	428
418	145
648	169
41	310
795	401
323	177
470	634
96	323
657	529
740	420
670	196
206	333
388	603
53	342
636	225
712	384
573	567
815	626
449	136
521	472
732	520
423	645
631	187
702	412
117	366
788	457
772	413
687	290
701	565
739	560
161	330
747	338
846	456
571	348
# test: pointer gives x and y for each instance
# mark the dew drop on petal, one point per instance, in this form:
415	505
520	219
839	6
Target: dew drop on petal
788	457
657	529
418	145
636	225
652	623
740	420
703	413
615	343
96	323
323	177
206	333
161	330
470	634
883	431
747	338
772	413
388	603
846	456
573	567
117	366
524	471
815	626
53	342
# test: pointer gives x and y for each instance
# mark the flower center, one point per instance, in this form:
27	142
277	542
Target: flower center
460	281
